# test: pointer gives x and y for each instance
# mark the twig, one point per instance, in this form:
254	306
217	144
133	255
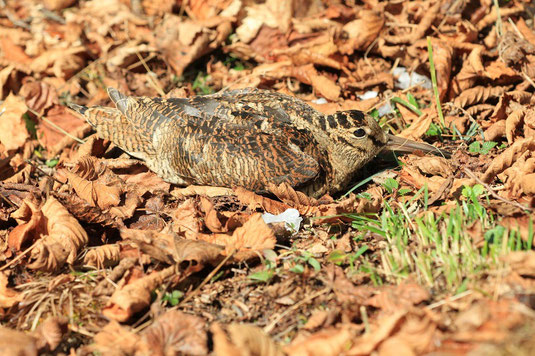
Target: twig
16	259
493	193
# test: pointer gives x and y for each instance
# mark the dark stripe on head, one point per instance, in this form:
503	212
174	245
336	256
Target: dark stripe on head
332	121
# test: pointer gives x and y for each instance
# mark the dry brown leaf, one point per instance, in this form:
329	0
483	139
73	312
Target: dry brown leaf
176	332
186	219
245	339
477	95
432	165
116	340
414	337
384	326
39	96
211	217
247	241
403	296
95	193
170	248
13	133
522	262
58	116
495	131
508	157
417	128
103	256
329	342
51	332
135	296
201	190
418	31
515	119
255	201
322	85
31	225
363	31
65	238
17	343
442	55
59	62
8	297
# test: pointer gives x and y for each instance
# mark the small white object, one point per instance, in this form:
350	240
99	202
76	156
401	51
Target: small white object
384	109
320	101
290	217
406	79
368	95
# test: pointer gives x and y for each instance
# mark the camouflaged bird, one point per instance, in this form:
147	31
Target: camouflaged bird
247	138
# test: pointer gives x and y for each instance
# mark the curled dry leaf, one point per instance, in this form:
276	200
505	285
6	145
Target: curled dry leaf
414	336
48	133
392	298
135	296
418	127
329	342
14	342
363	31
39	96
50	332
186	220
382	329
95	193
477	95
256	201
245	339
432	165
201	190
247	241
13	133
8	297
103	256
417	32
508	157
65	237
176	332
522	262
442	56
115	339
31	225
326	207
170	248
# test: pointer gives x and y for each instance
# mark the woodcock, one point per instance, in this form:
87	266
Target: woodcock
247	138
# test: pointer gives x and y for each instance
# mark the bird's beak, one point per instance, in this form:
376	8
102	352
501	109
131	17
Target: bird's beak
401	144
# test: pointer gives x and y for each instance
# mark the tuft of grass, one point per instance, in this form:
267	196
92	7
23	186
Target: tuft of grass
436	248
200	84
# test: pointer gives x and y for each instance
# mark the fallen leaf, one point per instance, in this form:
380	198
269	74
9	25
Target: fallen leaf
13	133
176	332
245	339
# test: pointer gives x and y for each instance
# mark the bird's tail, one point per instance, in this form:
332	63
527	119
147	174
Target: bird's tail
78	108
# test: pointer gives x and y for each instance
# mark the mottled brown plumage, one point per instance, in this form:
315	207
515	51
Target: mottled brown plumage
247	138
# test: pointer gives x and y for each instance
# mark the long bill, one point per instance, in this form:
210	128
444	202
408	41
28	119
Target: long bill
401	144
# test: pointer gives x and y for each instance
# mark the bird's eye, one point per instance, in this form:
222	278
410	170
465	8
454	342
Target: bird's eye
359	133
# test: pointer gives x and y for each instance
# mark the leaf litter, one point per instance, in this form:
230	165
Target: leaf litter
99	255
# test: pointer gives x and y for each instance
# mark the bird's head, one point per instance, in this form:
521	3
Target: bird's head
356	138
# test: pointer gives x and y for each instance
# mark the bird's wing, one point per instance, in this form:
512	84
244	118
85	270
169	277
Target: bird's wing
241	158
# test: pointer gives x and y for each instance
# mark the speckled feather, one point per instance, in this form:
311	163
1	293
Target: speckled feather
247	137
